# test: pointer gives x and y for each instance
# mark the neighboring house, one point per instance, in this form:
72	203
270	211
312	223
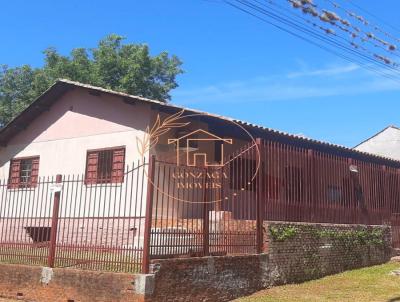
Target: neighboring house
385	143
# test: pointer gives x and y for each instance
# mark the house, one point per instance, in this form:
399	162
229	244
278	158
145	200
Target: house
73	126
385	143
101	141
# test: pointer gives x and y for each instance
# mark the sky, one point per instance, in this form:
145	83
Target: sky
234	64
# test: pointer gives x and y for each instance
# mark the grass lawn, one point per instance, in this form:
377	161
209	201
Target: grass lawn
367	285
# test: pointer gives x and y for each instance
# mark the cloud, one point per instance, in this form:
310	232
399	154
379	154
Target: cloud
333	80
335	70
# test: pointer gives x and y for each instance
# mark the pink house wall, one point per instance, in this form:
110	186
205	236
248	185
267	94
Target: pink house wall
76	123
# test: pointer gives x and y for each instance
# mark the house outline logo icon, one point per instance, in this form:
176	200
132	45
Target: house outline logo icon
178	120
191	156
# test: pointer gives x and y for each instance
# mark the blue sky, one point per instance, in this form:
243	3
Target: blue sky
235	65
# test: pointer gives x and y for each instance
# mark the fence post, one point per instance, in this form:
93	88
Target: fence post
54	225
386	192
311	185
259	201
353	194
206	217
149	216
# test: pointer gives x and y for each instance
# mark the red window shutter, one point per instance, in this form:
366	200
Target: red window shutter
13	178
35	172
118	162
91	167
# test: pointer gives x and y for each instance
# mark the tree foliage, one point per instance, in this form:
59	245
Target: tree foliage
112	64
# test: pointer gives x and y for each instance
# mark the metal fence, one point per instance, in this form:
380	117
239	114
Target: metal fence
164	210
64	222
307	185
204	210
220	210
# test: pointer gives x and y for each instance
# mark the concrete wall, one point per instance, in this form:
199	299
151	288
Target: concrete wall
385	143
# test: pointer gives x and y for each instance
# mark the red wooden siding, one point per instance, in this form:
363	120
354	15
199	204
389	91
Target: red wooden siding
34	172
91	167
118	162
13	181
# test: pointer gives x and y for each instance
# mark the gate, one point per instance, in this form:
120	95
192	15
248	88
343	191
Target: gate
206	210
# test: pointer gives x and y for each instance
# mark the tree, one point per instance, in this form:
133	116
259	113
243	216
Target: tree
122	67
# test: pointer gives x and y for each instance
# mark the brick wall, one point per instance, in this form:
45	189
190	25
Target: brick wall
34	283
296	252
209	278
302	251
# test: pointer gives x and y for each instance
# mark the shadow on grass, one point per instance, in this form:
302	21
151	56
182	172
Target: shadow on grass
395	299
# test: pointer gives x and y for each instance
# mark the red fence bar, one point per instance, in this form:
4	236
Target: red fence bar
259	199
54	223
206	217
149	215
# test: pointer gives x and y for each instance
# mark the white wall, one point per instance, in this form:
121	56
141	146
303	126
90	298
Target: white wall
386	143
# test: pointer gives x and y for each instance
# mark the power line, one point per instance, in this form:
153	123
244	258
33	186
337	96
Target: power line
373	15
366	35
315	36
270	2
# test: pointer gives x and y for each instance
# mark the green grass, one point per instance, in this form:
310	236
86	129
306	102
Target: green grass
372	284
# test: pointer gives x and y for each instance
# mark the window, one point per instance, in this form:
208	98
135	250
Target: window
38	234
23	172
105	166
334	193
